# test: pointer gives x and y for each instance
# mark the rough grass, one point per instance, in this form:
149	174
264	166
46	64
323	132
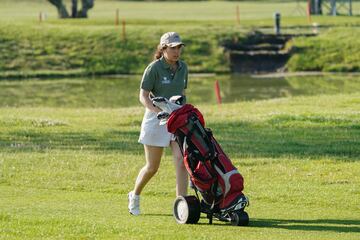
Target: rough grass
64	173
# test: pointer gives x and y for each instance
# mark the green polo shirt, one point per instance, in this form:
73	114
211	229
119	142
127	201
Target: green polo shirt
162	82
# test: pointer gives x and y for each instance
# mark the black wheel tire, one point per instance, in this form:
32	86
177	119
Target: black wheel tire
187	210
239	218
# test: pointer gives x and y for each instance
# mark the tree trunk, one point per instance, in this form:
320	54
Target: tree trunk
60	8
316	7
82	13
74	7
86	5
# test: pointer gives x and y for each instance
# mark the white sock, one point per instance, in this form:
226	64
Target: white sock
135	196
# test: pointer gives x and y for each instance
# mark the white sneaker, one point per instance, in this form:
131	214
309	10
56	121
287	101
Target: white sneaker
134	203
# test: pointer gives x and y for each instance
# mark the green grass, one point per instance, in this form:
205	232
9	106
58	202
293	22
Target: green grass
96	46
182	11
309	52
64	173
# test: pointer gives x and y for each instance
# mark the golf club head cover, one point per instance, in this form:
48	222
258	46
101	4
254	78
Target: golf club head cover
162	115
178	99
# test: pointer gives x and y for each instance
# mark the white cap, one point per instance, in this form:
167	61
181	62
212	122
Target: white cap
170	39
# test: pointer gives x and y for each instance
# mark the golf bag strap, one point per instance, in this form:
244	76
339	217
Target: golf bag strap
198	124
211	214
196	192
207	139
214	190
182	149
205	136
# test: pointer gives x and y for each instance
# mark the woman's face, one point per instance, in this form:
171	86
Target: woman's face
172	54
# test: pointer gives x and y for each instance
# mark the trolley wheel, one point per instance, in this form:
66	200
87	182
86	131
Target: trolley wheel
187	210
239	218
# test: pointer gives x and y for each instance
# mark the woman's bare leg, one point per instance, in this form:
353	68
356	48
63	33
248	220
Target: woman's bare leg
182	179
153	156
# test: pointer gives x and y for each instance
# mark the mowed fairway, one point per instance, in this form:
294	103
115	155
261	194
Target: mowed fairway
65	173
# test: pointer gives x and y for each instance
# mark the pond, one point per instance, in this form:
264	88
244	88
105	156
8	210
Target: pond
122	91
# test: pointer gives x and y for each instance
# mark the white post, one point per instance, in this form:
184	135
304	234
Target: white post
350	7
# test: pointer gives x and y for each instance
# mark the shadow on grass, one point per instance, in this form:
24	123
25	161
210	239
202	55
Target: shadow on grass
284	135
30	141
280	136
202	217
331	225
157	215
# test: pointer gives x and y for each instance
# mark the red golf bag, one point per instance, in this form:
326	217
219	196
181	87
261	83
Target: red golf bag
210	170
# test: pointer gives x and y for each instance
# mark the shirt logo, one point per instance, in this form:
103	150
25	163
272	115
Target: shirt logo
165	80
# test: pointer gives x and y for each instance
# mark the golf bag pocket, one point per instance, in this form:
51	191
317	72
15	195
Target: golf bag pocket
230	180
204	179
200	175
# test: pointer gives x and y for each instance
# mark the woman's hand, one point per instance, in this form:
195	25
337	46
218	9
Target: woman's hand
145	99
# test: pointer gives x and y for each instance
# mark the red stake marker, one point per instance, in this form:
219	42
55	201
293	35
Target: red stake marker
217	92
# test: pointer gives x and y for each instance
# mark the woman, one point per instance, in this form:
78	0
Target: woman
166	76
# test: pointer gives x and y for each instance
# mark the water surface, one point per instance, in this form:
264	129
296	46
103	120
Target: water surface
122	91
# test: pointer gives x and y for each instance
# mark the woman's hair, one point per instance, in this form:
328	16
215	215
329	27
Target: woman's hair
159	52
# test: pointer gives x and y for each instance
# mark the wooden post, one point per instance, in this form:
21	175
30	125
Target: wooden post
40	17
217	92
117	17
308	11
237	15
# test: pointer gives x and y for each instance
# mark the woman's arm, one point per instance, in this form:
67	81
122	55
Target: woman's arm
145	100
184	97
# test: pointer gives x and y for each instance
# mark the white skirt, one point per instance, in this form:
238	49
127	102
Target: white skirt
152	133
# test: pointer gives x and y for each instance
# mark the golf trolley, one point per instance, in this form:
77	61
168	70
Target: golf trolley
211	172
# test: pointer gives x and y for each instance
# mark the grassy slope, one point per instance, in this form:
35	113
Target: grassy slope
335	50
64	173
96	46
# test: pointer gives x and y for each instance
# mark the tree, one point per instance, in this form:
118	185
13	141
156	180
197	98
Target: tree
316	7
86	5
